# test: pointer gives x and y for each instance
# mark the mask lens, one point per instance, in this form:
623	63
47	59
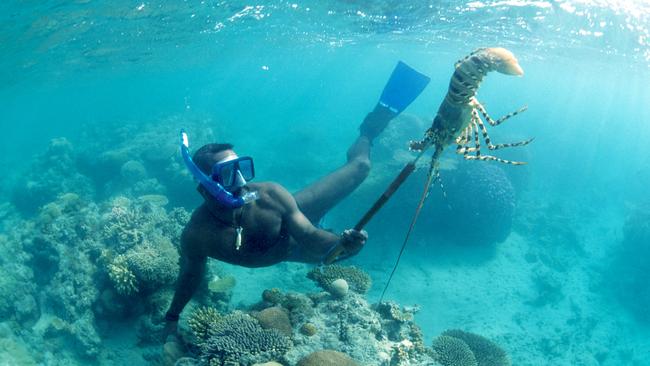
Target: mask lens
246	168
226	174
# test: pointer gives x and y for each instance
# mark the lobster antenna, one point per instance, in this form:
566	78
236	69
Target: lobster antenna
408	233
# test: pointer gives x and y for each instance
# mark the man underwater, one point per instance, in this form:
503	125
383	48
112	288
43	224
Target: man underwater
262	224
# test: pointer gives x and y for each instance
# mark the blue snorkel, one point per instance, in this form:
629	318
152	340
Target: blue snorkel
216	190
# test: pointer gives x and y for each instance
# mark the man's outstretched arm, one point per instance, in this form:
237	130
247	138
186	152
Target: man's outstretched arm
313	243
189	278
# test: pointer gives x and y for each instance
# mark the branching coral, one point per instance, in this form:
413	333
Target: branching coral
358	280
123	279
239	338
124	226
201	320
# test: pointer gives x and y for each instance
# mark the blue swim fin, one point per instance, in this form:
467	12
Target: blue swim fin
404	85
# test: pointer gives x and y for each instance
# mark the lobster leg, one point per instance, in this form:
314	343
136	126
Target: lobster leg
491	121
494	158
486	137
463	141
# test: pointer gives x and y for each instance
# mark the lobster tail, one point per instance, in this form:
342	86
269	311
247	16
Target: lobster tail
470	71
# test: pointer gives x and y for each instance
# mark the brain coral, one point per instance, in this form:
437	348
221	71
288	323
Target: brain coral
478	208
358	280
239	338
450	351
275	317
487	353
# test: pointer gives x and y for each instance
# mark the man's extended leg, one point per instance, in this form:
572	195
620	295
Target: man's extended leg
318	198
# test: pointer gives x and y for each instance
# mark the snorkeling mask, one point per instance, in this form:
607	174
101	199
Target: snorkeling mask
231	170
234	173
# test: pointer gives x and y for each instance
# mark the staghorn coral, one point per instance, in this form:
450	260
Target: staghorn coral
357	280
201	320
239	339
451	351
487	353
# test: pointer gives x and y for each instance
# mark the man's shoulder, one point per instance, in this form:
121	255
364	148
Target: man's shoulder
272	195
266	187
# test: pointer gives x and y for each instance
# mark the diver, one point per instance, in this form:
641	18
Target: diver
262	224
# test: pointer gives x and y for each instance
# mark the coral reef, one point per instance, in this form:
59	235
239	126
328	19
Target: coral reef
141	158
357	280
52	173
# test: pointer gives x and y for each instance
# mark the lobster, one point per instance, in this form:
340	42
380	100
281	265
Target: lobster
459	119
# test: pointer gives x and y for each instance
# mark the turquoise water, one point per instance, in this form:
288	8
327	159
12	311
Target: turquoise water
288	83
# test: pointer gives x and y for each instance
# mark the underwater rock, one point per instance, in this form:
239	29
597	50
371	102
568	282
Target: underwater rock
172	351
327	358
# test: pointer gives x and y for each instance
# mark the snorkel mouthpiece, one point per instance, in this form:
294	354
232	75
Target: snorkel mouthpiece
216	190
